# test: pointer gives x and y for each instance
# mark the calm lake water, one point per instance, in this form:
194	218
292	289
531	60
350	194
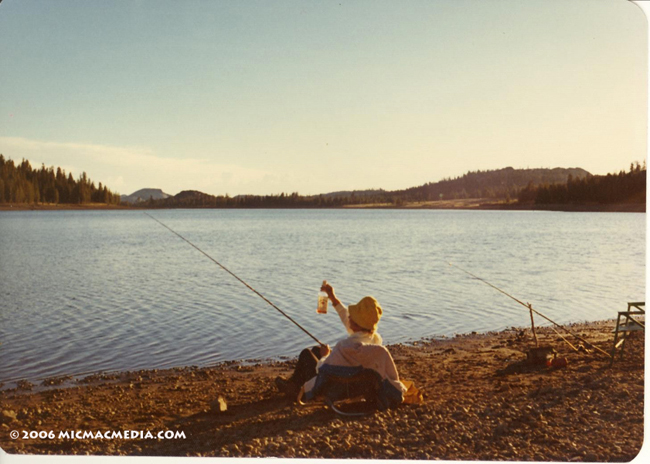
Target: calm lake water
87	291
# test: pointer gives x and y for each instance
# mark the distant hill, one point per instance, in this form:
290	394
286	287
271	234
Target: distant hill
499	183
144	195
192	195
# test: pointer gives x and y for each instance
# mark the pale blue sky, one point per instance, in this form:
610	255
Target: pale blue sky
269	96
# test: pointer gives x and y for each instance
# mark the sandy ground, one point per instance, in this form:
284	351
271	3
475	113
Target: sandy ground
481	402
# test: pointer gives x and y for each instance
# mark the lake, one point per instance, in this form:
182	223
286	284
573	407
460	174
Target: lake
89	291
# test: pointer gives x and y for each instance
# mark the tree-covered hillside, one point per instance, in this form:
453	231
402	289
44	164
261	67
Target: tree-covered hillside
624	187
22	184
497	184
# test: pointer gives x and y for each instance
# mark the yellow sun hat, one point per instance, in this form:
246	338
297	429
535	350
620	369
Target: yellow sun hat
366	313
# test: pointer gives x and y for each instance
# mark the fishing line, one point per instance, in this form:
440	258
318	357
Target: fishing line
530	307
229	272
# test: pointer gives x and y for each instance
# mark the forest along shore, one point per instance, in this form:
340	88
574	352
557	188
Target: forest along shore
481	402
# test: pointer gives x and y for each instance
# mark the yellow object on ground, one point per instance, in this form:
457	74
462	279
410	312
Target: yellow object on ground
413	394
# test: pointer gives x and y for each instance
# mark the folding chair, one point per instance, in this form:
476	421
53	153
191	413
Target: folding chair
627	322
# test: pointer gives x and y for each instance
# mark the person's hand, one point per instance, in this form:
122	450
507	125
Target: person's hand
324	350
327	288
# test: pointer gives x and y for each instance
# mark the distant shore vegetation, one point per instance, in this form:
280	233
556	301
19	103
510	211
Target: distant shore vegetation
503	188
624	187
561	188
21	184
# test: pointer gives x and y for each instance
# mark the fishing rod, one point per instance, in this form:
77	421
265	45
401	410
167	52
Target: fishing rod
530	307
232	274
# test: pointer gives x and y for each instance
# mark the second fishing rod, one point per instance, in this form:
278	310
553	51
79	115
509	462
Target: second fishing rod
530	308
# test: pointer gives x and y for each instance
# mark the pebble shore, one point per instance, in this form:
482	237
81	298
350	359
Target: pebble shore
482	401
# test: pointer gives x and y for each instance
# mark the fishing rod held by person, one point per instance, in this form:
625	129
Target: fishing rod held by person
232	274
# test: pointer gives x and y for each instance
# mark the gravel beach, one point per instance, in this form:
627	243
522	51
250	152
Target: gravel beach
481	401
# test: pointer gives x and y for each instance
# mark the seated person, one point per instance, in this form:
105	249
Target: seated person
362	348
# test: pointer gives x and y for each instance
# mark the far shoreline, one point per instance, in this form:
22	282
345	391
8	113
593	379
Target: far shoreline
466	205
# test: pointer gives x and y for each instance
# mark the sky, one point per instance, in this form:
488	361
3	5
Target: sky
264	97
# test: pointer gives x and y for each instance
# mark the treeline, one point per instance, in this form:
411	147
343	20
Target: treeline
195	199
624	187
23	184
